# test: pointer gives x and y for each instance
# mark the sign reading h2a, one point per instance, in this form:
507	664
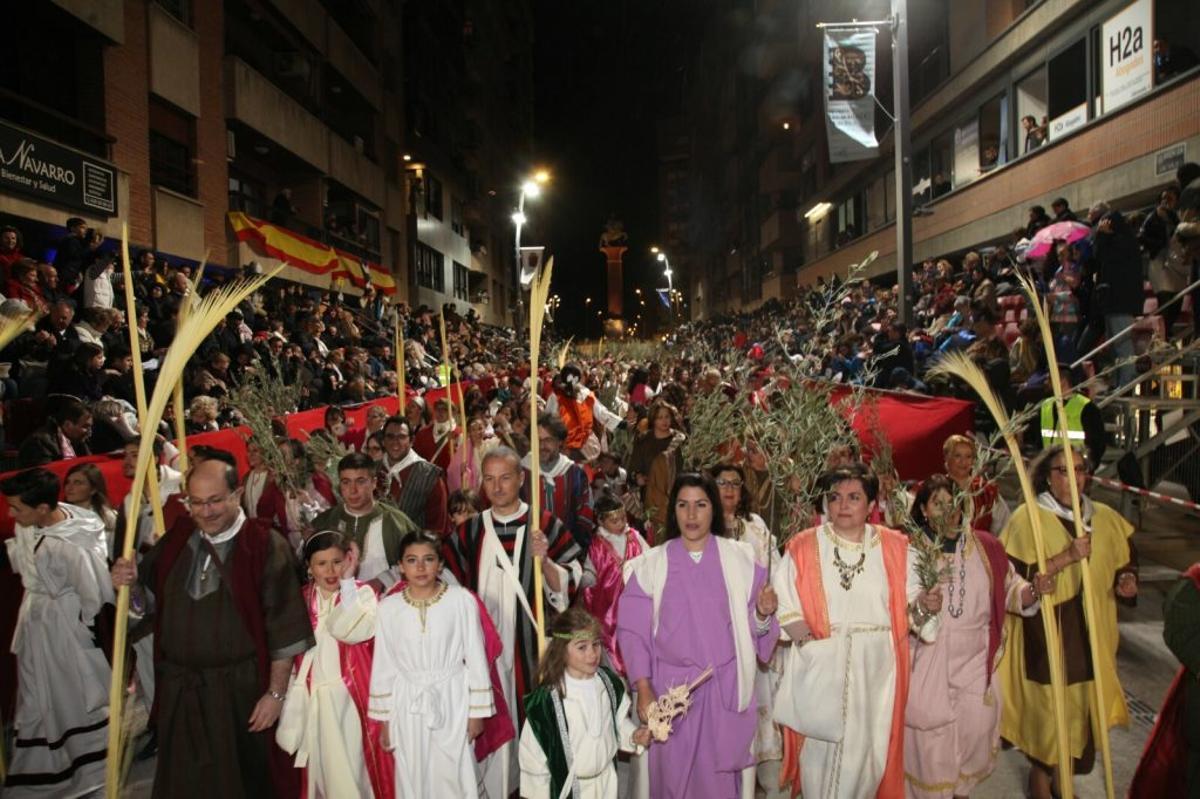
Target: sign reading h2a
49	171
1127	65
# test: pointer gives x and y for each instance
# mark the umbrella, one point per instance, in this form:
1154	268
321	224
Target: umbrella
1044	239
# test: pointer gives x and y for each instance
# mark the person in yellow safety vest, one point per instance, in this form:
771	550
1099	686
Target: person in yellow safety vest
1085	424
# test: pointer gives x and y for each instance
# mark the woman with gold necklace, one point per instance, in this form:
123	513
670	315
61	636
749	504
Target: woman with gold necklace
848	597
952	725
743	524
430	683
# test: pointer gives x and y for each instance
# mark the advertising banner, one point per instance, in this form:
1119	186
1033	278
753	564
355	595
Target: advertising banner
850	94
1126	63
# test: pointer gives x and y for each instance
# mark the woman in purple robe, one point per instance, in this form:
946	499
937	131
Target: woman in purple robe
698	600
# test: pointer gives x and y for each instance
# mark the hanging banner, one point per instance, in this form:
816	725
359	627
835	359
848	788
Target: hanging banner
850	94
1127	70
531	263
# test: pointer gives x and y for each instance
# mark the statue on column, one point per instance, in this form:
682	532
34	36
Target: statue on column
613	243
614	233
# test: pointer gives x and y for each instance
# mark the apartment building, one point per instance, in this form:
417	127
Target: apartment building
977	68
312	124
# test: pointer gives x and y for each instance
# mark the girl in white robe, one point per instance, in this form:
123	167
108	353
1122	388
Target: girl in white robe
430	683
332	750
577	719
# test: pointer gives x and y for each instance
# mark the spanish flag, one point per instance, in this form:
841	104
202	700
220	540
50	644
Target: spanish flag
308	254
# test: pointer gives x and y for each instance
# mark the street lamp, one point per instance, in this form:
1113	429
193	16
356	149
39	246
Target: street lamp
531	188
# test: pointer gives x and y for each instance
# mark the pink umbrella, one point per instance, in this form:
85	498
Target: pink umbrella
1044	239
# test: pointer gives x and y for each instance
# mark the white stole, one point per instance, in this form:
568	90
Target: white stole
500	584
737	566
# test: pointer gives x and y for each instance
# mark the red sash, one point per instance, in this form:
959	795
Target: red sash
356	661
805	554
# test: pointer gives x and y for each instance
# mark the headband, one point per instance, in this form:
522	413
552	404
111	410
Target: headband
310	549
578	635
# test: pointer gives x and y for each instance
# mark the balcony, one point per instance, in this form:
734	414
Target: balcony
255	101
355	171
781	230
348	60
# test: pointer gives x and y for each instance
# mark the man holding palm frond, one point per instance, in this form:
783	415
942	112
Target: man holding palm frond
228	619
1106	549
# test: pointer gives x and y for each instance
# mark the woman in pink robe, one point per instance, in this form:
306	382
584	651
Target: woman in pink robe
952	720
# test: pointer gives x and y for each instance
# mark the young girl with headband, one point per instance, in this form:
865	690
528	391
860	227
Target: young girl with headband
340	749
433	685
577	719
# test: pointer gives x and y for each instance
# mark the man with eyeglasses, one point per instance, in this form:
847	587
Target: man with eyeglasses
228	619
415	486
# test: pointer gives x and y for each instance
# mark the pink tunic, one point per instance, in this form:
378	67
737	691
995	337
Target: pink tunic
952	723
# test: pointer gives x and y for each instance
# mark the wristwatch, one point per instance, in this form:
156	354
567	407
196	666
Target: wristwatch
278	697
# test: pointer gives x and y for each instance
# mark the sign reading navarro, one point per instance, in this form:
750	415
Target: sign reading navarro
35	166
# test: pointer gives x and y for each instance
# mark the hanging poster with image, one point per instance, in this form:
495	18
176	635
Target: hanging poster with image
1126	60
850	94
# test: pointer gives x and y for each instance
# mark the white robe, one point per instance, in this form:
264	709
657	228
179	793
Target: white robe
593	743
854	767
63	676
425	685
333	735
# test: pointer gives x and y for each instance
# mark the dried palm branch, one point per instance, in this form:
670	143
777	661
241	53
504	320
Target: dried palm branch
177	393
539	291
561	358
957	364
261	400
200	322
13	326
1091	612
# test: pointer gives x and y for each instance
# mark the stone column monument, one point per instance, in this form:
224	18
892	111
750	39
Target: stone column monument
613	243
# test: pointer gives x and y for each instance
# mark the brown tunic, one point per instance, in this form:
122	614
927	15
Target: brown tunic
208	676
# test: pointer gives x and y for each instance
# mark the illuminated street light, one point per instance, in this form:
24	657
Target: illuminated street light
541	176
531	189
654	250
520	219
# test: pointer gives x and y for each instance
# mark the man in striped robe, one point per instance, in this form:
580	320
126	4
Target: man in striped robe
413	484
566	491
493	555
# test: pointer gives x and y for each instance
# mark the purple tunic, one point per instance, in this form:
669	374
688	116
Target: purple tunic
711	744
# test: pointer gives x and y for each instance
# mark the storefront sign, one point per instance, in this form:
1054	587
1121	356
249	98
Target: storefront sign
1127	65
1168	160
850	94
34	166
1063	124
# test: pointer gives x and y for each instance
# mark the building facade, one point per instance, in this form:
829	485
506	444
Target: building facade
977	68
310	117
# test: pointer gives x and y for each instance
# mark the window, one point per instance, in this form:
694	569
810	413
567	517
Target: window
433	196
172	148
456	216
1067	103
368	228
941	164
430	267
247	196
1032	120
848	220
461	281
993	133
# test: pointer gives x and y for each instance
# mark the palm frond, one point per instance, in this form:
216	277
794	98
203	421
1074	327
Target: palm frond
13	326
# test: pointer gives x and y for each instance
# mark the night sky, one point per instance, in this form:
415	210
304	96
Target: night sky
602	73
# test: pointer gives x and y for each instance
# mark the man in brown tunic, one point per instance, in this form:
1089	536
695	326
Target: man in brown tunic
228	619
